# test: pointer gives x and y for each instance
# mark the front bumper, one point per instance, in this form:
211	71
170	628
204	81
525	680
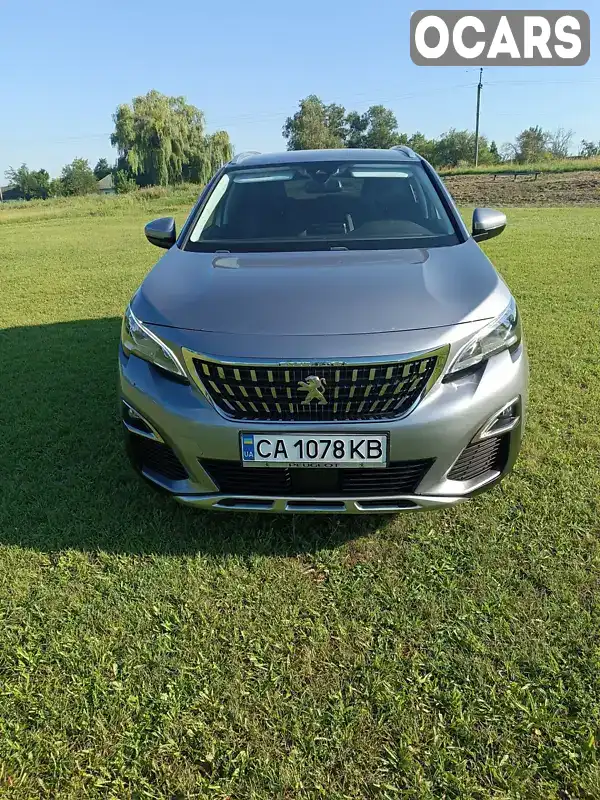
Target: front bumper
446	421
318	505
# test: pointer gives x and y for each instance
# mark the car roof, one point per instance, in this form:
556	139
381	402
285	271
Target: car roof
252	159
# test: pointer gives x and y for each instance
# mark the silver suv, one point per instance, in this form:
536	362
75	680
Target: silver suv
324	335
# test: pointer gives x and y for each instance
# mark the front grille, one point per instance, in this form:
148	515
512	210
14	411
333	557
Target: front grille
156	456
401	477
368	391
481	457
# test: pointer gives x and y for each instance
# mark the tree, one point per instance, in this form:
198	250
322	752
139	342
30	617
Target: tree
357	125
458	147
494	154
423	146
316	126
78	177
454	146
31	184
215	151
161	140
531	145
589	149
40	184
19	179
486	156
377	127
508	152
102	169
56	188
123	183
559	142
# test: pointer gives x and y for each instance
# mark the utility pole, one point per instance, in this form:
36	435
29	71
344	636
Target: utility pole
479	87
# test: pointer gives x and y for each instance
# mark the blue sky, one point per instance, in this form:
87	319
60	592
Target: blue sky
67	65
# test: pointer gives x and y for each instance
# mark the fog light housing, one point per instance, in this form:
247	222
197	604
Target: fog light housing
504	420
136	423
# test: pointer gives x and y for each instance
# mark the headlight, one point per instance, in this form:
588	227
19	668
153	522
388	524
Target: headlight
502	334
138	340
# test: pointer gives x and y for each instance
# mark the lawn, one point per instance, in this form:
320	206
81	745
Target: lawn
150	651
549	165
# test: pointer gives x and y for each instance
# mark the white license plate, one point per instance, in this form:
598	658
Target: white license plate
313	450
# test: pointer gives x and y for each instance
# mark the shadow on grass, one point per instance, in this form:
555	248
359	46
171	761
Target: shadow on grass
66	483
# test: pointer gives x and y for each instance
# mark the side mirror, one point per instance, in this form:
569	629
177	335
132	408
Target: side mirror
487	223
161	232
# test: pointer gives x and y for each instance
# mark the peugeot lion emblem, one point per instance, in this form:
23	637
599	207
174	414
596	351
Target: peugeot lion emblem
313	386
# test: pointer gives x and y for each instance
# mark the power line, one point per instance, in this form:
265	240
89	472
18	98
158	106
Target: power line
546	82
250	116
65	140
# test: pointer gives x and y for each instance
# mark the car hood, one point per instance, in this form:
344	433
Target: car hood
321	293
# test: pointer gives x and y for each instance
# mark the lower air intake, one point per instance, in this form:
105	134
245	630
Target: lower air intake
481	457
401	477
156	456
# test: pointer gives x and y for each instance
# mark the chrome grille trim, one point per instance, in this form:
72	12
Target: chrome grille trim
204	369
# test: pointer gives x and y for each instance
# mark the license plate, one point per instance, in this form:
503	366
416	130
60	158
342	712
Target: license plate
313	450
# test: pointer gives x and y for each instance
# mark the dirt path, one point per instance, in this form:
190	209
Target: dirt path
549	189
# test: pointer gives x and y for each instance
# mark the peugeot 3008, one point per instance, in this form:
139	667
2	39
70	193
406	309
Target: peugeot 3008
324	335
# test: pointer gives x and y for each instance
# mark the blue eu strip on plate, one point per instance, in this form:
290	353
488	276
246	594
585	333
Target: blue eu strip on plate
248	448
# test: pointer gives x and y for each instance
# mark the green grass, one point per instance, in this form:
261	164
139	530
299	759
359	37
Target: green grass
149	651
161	199
551	165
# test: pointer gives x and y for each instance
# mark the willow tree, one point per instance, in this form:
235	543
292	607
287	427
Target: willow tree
215	150
161	140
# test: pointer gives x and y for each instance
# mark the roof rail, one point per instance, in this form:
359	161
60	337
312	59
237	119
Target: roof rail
241	156
404	149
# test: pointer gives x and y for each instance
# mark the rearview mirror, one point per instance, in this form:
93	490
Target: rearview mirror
331	186
487	223
161	232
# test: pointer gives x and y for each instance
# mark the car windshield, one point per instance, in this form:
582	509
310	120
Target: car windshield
321	206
